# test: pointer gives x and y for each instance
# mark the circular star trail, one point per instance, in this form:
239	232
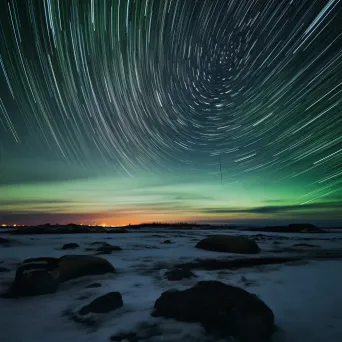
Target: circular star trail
149	84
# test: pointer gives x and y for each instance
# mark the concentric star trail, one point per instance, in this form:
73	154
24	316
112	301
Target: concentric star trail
146	84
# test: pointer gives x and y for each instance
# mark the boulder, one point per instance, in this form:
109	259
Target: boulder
35	277
167	241
48	261
38	276
178	274
71	245
33	282
103	304
75	266
223	310
229	244
106	248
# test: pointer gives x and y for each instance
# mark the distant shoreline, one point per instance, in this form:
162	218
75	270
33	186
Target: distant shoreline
83	229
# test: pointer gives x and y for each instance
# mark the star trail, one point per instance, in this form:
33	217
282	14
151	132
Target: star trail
171	96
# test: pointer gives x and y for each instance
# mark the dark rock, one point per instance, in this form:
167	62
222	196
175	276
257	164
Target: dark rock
47	264
35	277
75	266
71	245
229	244
103	304
4	269
106	248
304	245
50	263
167	241
7	242
223	310
93	285
215	264
178	274
34	282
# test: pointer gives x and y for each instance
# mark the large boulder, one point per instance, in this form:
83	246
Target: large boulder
103	304
229	244
75	266
223	310
35	277
33	282
38	276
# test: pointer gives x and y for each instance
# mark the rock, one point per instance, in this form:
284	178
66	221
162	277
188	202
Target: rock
71	245
50	263
233	264
7	242
223	310
106	248
178	274
93	285
167	241
37	276
229	244
103	304
34	282
304	245
75	266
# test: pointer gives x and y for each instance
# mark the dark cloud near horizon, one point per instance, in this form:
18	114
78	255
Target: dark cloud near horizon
277	209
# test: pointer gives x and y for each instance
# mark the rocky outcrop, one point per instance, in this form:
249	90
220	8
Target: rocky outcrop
223	310
39	276
103	304
229	244
75	266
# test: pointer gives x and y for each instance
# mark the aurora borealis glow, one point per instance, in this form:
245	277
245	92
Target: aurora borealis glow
124	111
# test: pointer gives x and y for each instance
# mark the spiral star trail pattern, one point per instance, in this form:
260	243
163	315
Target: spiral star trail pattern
177	89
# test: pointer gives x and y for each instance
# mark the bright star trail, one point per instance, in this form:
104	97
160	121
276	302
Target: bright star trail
127	110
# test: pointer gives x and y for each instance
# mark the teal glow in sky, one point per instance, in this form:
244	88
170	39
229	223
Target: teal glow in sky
118	112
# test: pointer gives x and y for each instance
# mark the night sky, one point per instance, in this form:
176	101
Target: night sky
127	111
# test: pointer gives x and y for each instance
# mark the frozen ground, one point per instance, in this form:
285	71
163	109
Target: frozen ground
306	297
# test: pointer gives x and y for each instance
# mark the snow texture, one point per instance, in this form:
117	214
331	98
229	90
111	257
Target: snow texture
306	297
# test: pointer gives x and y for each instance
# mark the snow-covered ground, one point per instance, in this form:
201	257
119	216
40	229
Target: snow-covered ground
305	297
